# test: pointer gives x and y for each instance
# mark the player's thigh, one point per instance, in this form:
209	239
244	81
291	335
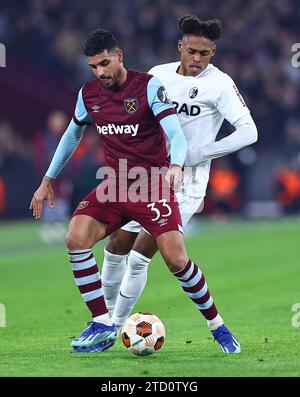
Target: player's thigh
145	244
84	231
172	248
121	242
93	220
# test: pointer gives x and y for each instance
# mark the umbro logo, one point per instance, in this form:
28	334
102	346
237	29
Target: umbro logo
96	108
162	222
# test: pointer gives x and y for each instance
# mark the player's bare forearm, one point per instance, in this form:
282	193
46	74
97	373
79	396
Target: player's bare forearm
44	192
174	176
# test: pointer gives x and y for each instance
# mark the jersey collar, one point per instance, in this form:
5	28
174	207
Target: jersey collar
208	68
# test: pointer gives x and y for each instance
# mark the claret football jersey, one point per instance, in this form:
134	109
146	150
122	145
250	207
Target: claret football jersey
127	119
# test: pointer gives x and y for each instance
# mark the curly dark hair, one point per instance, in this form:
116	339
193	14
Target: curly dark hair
190	24
98	41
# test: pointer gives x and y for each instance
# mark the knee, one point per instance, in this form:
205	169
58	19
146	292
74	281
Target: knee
137	263
176	264
76	240
117	247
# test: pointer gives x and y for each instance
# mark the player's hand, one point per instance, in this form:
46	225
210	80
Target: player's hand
174	177
44	192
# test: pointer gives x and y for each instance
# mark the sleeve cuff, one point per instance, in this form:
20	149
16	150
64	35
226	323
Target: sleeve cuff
165	113
80	123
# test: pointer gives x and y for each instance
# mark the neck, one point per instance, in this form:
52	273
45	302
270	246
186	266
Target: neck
123	76
180	70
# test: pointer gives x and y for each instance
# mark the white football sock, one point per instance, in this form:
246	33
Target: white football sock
132	285
113	269
104	319
215	323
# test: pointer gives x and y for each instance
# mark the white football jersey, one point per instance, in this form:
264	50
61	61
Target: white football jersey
202	104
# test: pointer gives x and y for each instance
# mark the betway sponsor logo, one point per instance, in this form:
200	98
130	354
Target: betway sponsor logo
118	129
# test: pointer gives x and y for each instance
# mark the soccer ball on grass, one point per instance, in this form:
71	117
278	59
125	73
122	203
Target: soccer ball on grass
143	333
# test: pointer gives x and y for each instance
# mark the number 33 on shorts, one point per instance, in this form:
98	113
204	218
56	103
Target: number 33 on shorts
164	211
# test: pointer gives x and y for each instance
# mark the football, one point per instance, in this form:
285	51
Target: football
143	333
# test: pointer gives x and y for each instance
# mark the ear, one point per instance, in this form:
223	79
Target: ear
120	56
214	49
179	45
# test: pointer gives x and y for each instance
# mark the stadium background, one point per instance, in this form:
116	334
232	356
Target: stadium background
45	69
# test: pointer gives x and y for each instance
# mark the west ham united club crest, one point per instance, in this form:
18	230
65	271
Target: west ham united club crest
131	105
82	205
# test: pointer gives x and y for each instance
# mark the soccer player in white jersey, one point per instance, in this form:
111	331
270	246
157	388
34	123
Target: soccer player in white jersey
204	96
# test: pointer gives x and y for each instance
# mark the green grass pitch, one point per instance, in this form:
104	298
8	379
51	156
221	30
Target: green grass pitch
252	269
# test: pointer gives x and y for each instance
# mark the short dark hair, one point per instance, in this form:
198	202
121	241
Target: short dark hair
190	24
98	41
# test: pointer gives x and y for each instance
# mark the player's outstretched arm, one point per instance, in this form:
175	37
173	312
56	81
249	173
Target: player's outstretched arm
66	147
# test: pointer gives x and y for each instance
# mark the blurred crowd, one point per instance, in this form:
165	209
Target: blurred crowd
255	50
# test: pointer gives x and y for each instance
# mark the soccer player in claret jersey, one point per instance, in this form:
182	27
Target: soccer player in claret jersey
132	114
203	96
